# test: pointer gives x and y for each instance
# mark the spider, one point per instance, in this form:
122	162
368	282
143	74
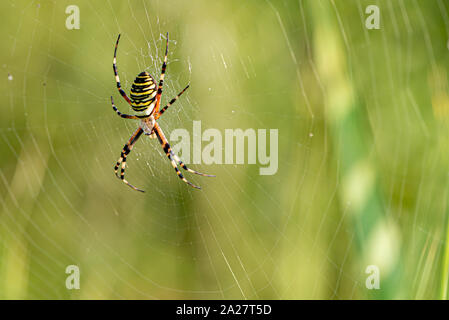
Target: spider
145	100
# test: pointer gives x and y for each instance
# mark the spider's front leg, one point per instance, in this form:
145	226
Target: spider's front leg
122	160
174	158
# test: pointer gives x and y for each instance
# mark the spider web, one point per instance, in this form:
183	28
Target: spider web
243	236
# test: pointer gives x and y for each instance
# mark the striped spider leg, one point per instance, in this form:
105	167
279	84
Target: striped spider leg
117	79
161	79
122	160
158	115
174	158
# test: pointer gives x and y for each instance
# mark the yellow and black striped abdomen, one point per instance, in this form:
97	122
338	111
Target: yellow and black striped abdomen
143	93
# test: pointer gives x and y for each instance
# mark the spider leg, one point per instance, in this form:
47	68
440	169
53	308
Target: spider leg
125	116
167	149
122	160
182	164
157	116
117	79
161	81
159	133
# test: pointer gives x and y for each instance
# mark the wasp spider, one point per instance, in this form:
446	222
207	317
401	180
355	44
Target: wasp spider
145	100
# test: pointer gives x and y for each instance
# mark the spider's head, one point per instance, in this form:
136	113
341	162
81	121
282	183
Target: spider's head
143	93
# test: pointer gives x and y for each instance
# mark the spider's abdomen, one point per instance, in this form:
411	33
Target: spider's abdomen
143	93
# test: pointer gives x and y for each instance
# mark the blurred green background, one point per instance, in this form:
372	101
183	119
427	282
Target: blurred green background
363	151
